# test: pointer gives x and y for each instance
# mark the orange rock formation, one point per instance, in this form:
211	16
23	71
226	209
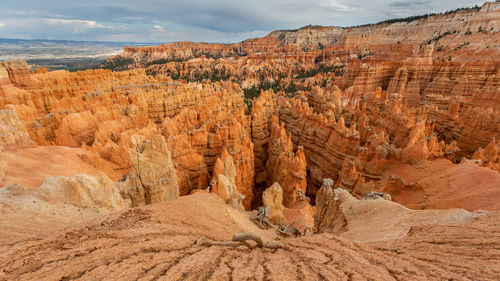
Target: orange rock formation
152	177
320	125
448	62
224	181
13	134
272	198
284	167
100	111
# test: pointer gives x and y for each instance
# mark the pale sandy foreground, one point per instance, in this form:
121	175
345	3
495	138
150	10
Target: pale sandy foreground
156	242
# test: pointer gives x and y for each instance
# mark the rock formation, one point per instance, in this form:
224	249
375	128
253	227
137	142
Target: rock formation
59	203
262	112
83	191
318	125
489	156
327	217
224	181
18	72
12	132
341	213
152	177
425	61
272	198
100	110
354	144
283	166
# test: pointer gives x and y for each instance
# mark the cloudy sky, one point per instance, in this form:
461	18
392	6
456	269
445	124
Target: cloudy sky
196	20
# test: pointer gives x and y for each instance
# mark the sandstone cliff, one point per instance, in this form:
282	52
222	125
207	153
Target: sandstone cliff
152	175
444	61
357	105
100	110
224	182
285	167
341	213
489	156
13	134
320	125
272	198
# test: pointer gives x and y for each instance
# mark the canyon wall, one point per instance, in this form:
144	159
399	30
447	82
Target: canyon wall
294	107
448	62
377	147
100	110
353	144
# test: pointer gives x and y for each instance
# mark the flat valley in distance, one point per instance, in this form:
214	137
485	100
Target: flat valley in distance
61	54
369	152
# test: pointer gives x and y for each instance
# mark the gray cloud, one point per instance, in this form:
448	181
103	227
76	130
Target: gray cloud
409	3
198	20
400	4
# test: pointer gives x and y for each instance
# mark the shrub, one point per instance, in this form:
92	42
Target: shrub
117	63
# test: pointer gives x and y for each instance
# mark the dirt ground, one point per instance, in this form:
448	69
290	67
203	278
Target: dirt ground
156	242
31	166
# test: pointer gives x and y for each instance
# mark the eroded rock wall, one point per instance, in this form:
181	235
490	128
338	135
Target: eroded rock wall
13	134
284	166
152	177
100	110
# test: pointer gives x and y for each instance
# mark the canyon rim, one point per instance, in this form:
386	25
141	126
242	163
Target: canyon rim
368	152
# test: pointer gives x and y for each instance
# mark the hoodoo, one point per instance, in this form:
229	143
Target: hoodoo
322	153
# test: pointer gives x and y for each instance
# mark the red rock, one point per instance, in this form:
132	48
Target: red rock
152	177
284	167
13	134
224	181
489	156
272	198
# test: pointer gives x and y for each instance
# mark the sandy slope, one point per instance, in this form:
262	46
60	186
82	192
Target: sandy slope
31	166
23	215
439	184
156	243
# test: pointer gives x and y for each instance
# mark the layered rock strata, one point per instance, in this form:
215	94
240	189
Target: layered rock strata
13	134
100	110
425	60
354	142
285	167
489	156
352	104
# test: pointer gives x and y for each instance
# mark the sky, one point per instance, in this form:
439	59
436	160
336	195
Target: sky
157	21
